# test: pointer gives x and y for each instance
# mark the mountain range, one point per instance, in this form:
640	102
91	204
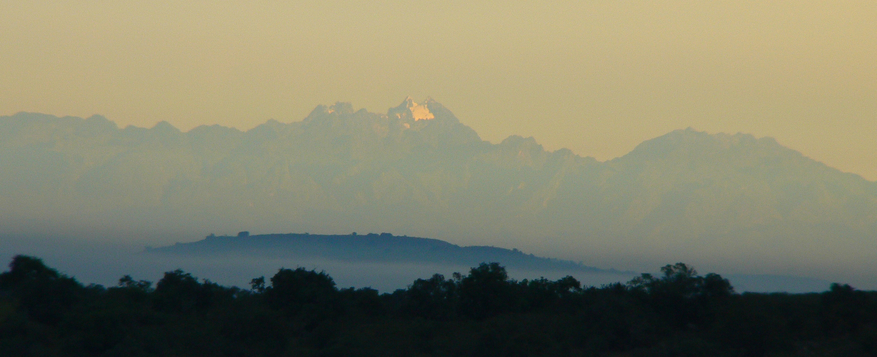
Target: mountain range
721	201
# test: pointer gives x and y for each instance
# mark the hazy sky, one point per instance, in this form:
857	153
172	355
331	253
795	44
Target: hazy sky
596	77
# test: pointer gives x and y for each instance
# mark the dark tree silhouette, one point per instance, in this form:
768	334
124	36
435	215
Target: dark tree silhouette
486	291
43	292
302	313
433	298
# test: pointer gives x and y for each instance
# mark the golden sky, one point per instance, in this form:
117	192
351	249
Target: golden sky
597	77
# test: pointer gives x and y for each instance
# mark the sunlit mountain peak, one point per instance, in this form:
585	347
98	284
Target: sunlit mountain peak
418	111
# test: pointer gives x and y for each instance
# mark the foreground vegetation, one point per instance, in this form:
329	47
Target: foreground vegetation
484	313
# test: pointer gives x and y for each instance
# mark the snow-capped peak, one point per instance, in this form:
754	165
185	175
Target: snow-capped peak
418	111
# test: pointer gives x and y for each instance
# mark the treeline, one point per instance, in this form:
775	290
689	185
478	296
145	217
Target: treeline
483	313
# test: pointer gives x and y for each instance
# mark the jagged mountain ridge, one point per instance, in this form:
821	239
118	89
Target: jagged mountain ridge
417	170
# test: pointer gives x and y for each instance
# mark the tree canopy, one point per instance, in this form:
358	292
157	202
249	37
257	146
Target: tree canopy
483	312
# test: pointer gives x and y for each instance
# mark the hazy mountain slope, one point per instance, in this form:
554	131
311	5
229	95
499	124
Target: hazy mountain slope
722	200
736	182
729	194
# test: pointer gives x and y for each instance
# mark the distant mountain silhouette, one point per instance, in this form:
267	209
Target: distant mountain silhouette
687	195
371	248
